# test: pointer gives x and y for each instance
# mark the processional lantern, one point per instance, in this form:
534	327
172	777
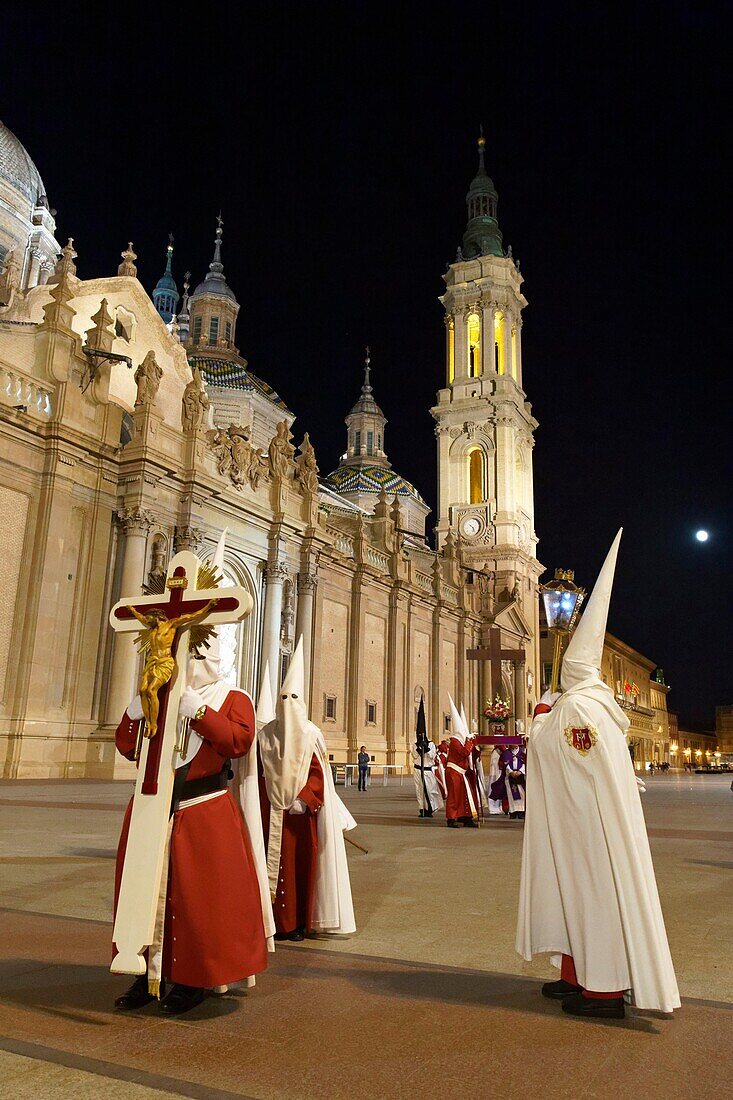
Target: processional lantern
562	599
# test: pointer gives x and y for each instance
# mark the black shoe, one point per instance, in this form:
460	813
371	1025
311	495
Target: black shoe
428	813
137	996
471	824
578	1005
422	813
297	935
182	998
559	989
454	824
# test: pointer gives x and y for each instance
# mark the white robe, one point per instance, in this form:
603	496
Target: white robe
431	783
495	806
587	884
333	908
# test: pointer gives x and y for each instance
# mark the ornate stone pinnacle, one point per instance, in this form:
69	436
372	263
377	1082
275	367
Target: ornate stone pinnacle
127	267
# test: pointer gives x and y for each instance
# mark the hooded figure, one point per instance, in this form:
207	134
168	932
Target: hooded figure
303	817
588	890
462	806
214	924
424	758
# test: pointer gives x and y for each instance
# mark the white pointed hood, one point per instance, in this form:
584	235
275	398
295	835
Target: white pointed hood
466	726
205	671
286	742
458	727
582	660
265	704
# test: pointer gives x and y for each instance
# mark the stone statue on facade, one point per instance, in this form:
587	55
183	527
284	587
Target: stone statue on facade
147	379
306	467
195	402
9	279
281	451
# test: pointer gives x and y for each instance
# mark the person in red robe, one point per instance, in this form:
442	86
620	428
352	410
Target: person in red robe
213	926
214	913
296	883
303	818
462	804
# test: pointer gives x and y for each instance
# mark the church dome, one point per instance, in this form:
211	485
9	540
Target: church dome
368	478
17	168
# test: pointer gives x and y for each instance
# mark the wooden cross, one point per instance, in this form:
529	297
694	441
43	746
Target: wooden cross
495	655
143	867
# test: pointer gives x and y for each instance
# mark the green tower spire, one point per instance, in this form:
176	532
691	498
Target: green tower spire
482	236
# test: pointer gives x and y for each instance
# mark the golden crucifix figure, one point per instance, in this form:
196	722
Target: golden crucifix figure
159	664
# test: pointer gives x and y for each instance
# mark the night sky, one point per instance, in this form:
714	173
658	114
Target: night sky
340	148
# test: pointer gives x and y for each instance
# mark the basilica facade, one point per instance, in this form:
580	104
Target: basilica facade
131	427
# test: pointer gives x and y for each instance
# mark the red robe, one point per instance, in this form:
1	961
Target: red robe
214	933
296	882
457	805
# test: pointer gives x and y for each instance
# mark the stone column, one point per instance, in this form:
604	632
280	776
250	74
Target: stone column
307	583
188	538
520	693
518	349
488	352
460	346
136	523
275	574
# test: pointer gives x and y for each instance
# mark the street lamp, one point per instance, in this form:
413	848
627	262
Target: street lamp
562	599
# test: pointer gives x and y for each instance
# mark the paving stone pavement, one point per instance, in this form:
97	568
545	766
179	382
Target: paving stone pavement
428	997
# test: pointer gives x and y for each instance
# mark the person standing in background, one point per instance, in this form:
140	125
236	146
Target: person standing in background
363	759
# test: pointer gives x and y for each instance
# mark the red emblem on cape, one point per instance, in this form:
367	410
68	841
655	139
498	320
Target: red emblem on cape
581	738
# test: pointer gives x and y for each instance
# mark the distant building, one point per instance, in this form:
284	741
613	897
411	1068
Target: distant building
724	728
690	746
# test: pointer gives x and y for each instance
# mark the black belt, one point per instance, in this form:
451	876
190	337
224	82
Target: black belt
420	768
184	789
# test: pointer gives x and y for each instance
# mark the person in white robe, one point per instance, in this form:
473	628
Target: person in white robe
495	804
290	746
588	892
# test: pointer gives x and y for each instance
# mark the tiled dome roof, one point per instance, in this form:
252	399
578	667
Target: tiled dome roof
17	167
227	375
370	479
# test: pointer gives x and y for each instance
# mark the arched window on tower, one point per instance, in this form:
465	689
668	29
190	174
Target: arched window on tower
473	323
499	354
476	478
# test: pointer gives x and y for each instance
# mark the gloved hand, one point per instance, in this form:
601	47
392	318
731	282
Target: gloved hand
550	698
298	807
640	784
135	709
190	702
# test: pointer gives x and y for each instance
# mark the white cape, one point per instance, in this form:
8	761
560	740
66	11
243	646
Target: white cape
587	884
333	909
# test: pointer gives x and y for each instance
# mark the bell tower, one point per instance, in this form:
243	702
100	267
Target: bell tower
484	423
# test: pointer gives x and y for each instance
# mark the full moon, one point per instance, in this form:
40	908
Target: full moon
701	536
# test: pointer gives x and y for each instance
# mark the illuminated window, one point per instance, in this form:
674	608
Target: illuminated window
476	487
499	342
473	323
